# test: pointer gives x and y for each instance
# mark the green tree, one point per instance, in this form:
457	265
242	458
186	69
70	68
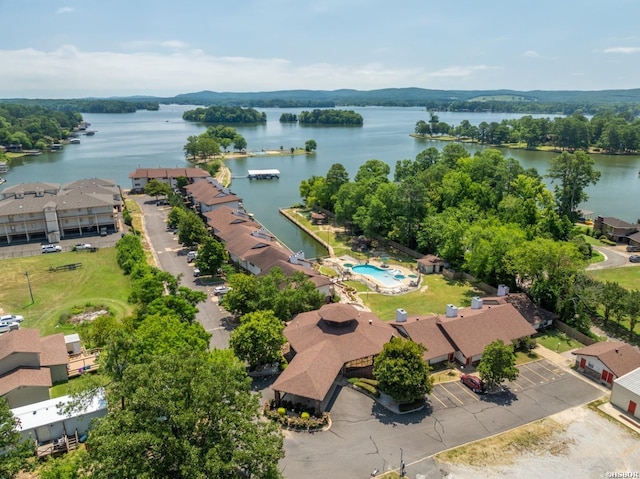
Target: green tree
611	298
259	339
15	450
191	147
191	229
573	172
310	145
402	371
498	364
69	466
157	188
239	143
211	256
632	305
186	416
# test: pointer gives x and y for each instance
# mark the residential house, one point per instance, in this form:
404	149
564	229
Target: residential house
328	343
615	229
30	365
49	212
607	361
209	195
625	392
142	176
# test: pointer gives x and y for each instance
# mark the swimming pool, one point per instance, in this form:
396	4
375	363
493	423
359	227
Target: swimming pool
384	276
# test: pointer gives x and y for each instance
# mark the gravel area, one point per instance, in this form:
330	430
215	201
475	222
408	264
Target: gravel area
590	446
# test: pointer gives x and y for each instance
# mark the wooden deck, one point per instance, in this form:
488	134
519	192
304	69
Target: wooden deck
85	362
59	446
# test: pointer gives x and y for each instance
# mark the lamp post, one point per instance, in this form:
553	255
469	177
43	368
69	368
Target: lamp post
402	471
26	273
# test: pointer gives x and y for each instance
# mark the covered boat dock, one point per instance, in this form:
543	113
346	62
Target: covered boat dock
263	174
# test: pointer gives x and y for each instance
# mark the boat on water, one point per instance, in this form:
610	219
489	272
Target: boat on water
89	133
74	141
2	180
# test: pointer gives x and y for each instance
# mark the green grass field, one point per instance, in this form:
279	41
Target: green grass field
433	299
628	277
99	281
557	341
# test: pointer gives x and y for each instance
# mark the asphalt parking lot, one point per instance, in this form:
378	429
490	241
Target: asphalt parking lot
455	394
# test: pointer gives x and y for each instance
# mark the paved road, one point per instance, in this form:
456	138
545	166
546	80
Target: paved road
172	258
365	436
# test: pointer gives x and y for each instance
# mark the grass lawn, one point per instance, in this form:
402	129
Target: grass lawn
99	281
557	341
627	277
523	358
432	300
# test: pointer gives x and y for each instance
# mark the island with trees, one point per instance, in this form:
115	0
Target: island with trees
225	115
330	117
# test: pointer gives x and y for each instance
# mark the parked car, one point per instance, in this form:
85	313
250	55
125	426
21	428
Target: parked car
633	249
191	255
82	246
473	382
196	272
11	318
51	248
8	326
103	231
221	290
634	258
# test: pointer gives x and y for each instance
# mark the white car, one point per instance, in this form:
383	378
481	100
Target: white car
81	246
221	290
11	318
51	248
8	326
191	255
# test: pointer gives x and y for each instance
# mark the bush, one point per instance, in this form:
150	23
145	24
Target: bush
368	388
373	382
305	415
282	411
126	217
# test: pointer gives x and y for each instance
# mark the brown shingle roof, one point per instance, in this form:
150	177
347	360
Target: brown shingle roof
427	332
617	223
473	330
527	308
54	350
23	378
328	346
430	259
20	341
224	218
311	373
619	357
209	194
169	173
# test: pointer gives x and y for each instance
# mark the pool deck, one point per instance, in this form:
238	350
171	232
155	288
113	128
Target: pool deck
411	281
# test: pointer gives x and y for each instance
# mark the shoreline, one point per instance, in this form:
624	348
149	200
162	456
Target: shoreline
511	146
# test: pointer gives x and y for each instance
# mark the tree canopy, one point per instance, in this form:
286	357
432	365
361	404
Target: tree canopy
402	371
498	364
15	450
225	114
259	339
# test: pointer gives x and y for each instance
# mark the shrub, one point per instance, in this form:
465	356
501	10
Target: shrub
305	415
282	411
126	216
368	388
373	382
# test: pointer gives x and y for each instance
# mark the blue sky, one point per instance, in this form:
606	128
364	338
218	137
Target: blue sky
61	49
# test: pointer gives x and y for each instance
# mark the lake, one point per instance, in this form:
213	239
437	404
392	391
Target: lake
124	142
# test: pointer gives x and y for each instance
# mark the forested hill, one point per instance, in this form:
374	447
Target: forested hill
454	100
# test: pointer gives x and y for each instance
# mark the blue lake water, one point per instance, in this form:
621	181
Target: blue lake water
124	142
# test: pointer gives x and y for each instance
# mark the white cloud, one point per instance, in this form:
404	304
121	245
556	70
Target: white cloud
459	71
625	50
65	10
531	54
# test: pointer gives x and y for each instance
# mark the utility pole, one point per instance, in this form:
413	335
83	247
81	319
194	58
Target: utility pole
26	273
402	466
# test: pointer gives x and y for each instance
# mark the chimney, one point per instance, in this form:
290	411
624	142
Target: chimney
452	311
503	290
371	321
476	302
401	315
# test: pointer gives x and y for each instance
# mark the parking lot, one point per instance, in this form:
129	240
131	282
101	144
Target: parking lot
455	394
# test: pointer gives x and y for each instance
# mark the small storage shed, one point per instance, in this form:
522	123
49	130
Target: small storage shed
73	343
625	393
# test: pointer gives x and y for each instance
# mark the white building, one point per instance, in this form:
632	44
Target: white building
625	393
44	421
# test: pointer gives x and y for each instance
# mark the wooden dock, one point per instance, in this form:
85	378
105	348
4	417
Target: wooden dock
263	174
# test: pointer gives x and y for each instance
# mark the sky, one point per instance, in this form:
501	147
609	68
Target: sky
103	48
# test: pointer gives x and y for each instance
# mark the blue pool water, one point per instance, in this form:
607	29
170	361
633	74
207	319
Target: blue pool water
384	276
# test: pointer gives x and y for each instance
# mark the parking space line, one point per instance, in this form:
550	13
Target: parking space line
556	371
525	378
452	395
525	366
432	395
466	390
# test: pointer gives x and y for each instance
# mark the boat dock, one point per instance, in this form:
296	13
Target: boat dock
263	174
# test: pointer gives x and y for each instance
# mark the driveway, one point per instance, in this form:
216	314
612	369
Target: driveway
172	258
365	436
614	257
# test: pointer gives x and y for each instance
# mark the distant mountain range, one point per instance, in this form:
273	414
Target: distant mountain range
542	101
